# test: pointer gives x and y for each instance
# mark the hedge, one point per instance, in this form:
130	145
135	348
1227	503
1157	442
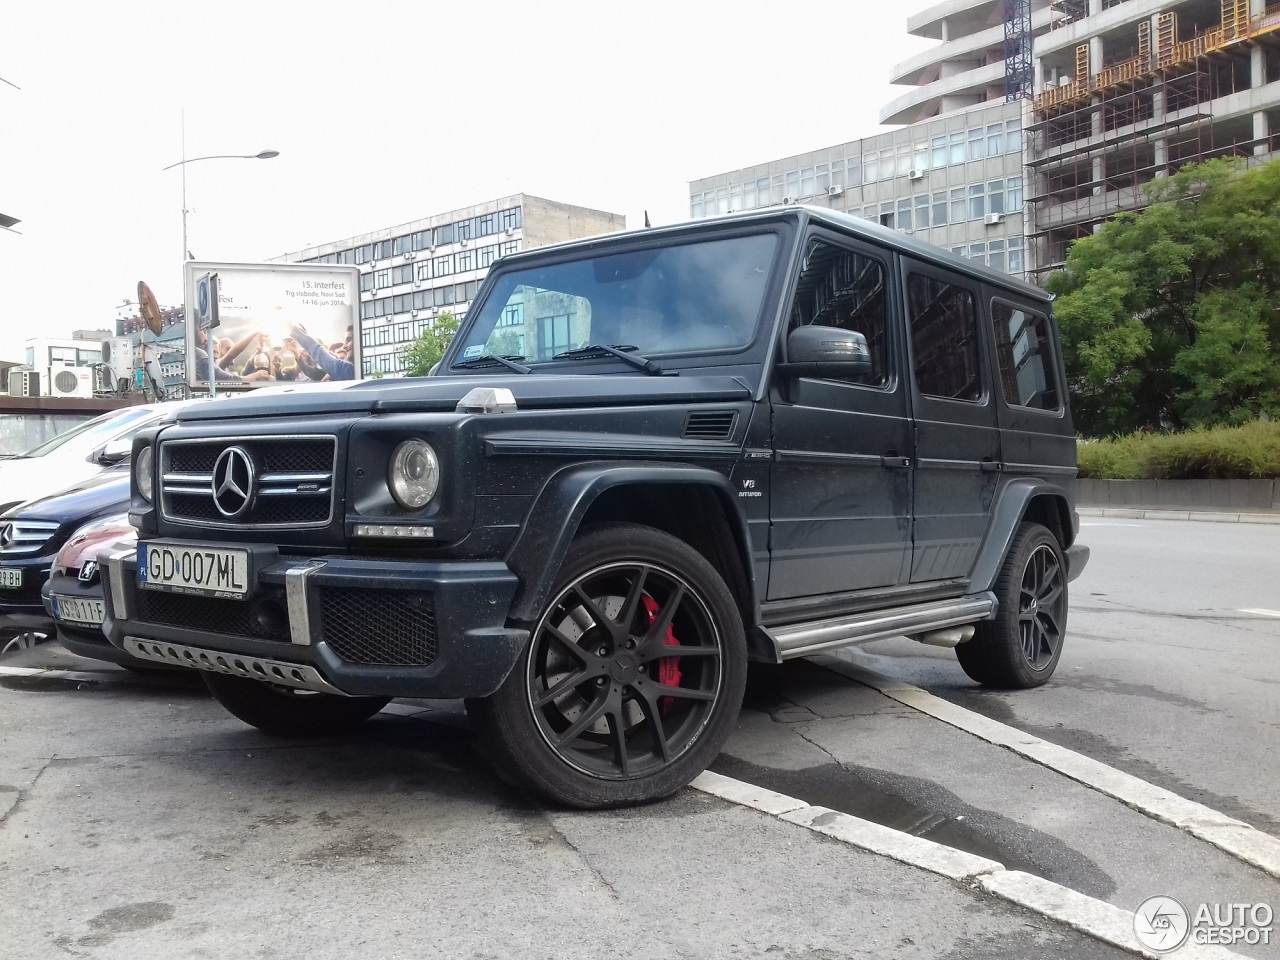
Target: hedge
1249	452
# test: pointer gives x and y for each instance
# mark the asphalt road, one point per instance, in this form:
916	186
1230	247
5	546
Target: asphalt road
138	820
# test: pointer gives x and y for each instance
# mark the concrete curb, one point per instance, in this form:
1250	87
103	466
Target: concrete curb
1234	837
1145	513
1095	918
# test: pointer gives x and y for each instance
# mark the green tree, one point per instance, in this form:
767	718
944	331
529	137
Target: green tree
425	352
1169	316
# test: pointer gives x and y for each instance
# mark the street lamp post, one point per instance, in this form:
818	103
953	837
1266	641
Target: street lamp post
186	254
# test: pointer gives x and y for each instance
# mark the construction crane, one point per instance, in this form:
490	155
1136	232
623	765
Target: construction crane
1017	50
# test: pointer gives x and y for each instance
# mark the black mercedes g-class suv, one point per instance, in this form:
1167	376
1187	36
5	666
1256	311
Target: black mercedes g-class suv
645	459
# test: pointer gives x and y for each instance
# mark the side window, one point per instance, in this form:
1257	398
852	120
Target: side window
944	338
1027	372
841	288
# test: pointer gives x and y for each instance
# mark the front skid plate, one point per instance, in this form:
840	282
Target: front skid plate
238	665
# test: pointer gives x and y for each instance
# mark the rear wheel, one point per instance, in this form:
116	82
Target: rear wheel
632	678
286	712
1021	646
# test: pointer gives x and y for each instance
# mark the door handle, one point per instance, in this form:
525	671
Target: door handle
894	462
991	466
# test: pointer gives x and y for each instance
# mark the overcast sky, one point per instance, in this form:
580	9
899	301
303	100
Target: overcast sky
385	113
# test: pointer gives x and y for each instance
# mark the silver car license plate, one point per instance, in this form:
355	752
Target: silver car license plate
194	569
88	611
11	577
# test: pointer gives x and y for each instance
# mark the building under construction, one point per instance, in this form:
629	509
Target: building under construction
1130	90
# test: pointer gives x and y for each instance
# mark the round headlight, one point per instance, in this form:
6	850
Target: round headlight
414	475
142	473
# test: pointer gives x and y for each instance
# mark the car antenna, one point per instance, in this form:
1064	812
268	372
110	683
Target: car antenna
646	218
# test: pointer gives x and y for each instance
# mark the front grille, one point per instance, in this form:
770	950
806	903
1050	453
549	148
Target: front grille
20	537
384	627
263	616
294	485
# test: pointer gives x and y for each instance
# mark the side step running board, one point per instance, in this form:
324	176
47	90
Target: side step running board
802	639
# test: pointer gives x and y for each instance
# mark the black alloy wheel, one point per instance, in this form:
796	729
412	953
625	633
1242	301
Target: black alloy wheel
632	678
1020	648
1042	607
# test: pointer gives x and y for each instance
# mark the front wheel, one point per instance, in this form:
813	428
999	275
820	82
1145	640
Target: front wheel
632	679
1020	648
286	712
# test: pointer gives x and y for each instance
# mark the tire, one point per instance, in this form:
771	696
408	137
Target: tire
285	712
595	713
1020	648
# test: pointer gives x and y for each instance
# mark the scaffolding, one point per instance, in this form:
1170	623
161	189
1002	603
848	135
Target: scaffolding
1099	138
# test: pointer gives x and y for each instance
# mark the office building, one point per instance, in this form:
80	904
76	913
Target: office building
413	272
1130	90
953	180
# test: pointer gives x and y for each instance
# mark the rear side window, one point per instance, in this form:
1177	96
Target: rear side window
1027	373
944	339
842	288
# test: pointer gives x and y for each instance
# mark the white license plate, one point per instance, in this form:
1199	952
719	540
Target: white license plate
78	610
191	568
10	577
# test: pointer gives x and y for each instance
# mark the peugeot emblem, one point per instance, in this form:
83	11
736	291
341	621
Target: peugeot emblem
6	536
234	482
88	570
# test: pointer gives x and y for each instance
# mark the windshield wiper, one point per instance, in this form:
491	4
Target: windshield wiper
490	359
612	349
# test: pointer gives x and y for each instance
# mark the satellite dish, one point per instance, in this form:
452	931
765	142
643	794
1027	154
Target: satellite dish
149	309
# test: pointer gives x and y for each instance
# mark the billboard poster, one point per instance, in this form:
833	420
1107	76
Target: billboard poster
276	322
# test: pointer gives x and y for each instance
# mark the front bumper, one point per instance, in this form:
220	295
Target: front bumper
24	600
82	639
339	624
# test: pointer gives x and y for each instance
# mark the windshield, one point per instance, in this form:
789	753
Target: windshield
694	297
83	439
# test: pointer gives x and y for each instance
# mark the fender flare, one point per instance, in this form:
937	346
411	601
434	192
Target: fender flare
558	510
1011	506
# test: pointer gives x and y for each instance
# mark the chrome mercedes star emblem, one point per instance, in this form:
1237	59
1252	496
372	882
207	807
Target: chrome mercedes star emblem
234	481
6	535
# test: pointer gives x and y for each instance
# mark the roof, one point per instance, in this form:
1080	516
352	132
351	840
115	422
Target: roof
834	219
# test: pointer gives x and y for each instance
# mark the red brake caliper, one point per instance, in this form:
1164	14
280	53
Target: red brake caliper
668	667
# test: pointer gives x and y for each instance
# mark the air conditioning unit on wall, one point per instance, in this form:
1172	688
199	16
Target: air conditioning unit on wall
991	219
70	382
915	175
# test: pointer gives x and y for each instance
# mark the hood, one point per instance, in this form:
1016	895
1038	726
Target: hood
435	394
107	492
86	545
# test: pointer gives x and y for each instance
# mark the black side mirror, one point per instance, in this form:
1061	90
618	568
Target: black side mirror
816	351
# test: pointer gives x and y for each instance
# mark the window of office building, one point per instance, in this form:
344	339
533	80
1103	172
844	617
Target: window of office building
511	246
365	253
442	235
402	273
486	256
959	209
442	266
366	282
465	260
486	224
510	218
922	211
554	335
940	209
381	278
